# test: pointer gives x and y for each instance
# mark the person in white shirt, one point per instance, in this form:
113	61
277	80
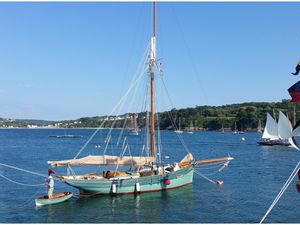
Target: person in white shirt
50	183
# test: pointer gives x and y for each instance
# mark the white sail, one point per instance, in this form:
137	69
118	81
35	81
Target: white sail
285	130
296	132
271	128
293	144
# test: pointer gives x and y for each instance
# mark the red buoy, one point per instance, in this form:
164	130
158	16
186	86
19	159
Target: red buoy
167	182
299	174
298	186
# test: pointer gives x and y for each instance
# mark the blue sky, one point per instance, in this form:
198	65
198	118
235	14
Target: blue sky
70	60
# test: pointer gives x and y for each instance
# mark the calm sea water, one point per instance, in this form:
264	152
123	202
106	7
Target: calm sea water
252	181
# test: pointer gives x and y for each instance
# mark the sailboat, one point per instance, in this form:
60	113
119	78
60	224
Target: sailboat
259	130
278	134
179	131
134	130
191	128
235	131
143	172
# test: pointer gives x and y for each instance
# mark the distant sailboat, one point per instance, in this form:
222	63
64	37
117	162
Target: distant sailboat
235	131
134	130
191	128
64	135
259	129
179	131
278	134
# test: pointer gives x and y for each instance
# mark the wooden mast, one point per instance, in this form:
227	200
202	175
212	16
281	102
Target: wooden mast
151	69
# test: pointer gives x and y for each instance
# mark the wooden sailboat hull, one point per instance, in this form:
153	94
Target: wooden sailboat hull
154	183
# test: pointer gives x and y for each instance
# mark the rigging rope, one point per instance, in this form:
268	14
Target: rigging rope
283	189
117	105
173	121
134	83
113	110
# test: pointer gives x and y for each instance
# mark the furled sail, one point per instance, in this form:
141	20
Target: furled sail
104	160
188	158
271	129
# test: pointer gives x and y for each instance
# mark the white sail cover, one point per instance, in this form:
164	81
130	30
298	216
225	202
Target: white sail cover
271	128
104	160
188	158
285	130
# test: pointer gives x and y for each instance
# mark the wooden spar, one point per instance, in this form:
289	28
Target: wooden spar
151	69
206	161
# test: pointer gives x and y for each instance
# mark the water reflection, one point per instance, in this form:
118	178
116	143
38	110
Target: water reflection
142	208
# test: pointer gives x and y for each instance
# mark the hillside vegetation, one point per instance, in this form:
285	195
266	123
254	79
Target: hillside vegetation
245	115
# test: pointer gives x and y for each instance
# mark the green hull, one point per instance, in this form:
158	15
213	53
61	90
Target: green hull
153	183
46	201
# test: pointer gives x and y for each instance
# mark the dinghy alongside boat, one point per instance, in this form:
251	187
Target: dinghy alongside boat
57	198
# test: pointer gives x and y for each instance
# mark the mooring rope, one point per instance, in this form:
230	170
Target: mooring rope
23	184
29	199
22	205
283	189
20	169
205	177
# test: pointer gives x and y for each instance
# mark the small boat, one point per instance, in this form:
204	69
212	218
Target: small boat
57	198
65	136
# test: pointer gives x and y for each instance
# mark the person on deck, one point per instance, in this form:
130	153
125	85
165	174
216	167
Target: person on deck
297	69
50	183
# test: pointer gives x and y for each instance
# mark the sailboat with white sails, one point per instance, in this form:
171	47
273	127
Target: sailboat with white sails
280	133
144	171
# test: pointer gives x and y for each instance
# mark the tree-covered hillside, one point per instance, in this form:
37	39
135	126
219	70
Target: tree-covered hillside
245	115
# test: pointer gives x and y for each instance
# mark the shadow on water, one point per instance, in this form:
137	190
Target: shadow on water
141	208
